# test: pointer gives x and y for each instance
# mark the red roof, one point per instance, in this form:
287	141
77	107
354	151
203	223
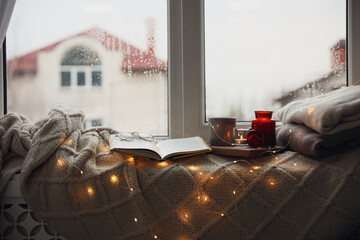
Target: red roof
134	58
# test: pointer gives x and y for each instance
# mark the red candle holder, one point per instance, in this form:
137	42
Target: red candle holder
264	125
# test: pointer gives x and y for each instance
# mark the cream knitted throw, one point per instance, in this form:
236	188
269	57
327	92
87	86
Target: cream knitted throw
85	192
327	114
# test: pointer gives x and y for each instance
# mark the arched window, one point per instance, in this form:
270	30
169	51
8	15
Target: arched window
81	67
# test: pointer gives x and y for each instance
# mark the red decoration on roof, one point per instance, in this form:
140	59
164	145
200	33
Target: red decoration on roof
134	58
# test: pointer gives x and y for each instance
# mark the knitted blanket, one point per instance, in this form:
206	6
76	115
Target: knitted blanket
306	141
72	180
327	114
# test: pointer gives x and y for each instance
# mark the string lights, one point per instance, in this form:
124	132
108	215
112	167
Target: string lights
90	191
114	179
60	163
201	197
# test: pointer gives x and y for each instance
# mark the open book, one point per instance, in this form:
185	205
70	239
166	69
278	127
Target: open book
162	150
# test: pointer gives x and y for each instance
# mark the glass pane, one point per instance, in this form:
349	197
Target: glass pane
262	54
96	78
65	79
96	123
107	58
81	78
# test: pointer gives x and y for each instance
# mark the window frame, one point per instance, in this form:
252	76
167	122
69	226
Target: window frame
186	64
186	78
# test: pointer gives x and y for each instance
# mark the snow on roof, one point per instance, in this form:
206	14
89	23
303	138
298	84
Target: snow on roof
134	58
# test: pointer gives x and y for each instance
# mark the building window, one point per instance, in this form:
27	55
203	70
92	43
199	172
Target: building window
91	123
65	79
96	123
80	60
81	78
96	78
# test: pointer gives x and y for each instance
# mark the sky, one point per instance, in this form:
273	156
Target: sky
255	50
38	23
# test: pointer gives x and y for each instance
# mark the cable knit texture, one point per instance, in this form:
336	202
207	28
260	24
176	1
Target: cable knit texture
85	191
330	113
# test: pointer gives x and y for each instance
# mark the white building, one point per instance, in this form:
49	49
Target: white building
116	84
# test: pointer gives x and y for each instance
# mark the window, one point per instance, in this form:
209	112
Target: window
65	79
81	78
190	19
186	60
268	53
92	123
96	78
111	64
79	61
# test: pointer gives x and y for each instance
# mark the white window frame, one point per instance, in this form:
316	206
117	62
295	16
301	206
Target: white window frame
186	64
2	81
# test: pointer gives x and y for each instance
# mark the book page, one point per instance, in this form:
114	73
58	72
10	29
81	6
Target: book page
117	143
181	146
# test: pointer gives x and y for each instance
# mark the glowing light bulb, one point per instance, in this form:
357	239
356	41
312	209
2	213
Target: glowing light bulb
295	164
205	198
256	167
235	161
310	110
222	214
155	237
114	179
200	173
82	172
130	159
131	189
251	170
186	216
234	192
272	183
90	191
61	163
105	148
136	220
193	168
163	164
211	178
